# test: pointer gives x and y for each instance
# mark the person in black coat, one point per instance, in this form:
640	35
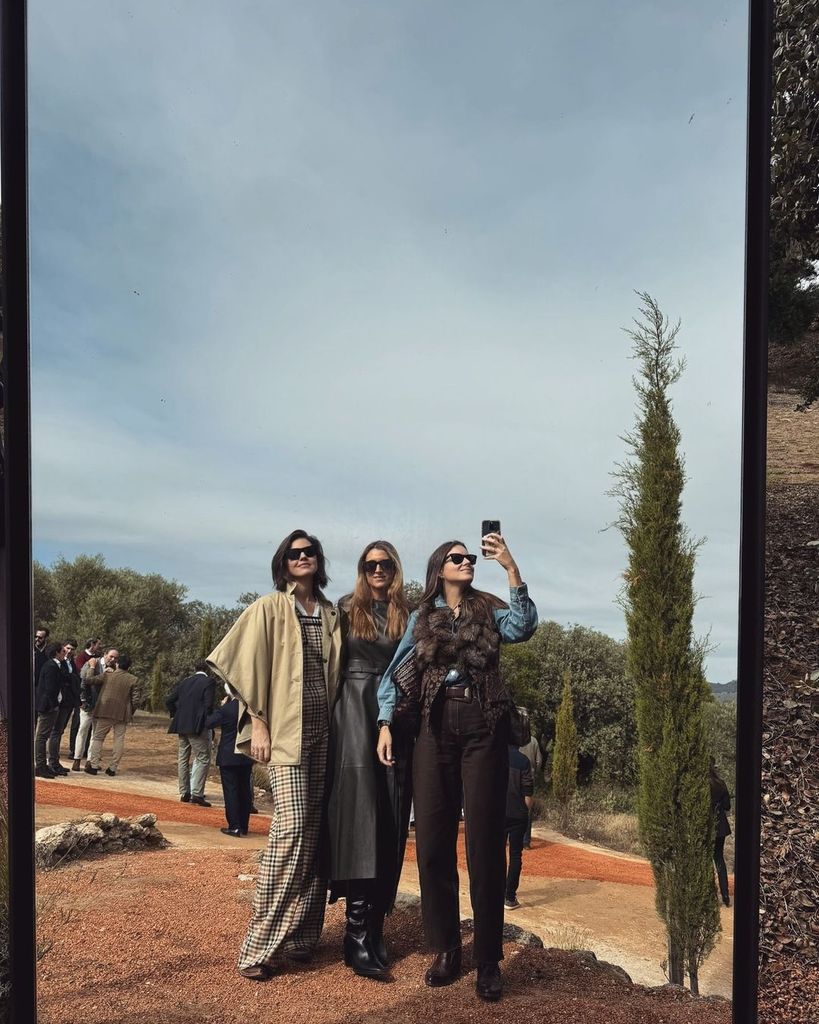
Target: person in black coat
47	699
70	699
721	803
189	704
234	769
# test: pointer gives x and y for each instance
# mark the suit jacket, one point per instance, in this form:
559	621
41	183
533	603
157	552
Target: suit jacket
49	686
71	685
226	717
38	660
189	703
118	696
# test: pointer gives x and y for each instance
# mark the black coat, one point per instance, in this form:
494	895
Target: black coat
39	659
721	802
51	681
226	717
71	687
189	703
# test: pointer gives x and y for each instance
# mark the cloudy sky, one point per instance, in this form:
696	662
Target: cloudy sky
363	268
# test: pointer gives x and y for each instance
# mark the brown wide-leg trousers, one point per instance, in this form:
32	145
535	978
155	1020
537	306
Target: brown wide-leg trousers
461	751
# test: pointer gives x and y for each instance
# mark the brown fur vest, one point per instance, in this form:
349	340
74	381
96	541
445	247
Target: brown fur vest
474	649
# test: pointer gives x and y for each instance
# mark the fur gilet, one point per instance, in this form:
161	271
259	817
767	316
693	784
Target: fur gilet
473	647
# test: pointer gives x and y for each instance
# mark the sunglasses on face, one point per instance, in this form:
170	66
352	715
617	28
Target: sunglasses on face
373	564
294	554
457	557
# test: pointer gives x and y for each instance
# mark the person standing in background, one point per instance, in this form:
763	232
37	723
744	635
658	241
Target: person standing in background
38	654
70	699
519	790
114	709
93	649
189	704
47	699
235	769
721	803
533	754
91	679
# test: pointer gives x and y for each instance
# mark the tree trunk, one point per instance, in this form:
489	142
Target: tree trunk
676	973
694	978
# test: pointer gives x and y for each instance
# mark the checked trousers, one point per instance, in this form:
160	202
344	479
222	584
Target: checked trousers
288	908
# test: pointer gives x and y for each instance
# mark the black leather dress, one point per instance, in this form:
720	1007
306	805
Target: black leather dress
368	805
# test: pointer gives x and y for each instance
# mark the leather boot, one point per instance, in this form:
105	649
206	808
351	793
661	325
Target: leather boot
376	930
358	952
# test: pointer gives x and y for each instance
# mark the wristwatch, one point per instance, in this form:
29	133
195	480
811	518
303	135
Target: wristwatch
383	722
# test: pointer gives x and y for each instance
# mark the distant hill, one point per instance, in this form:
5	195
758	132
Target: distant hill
724	691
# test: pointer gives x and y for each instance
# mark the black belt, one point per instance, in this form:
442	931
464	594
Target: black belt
362	667
463	691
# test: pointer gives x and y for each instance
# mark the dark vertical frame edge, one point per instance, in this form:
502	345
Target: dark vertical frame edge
15	613
752	530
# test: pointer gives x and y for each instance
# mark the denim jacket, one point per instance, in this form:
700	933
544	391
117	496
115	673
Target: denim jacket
515	624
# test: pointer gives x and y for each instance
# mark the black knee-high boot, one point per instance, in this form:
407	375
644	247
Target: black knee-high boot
358	950
376	929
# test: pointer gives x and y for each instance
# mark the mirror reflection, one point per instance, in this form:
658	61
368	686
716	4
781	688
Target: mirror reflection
323	299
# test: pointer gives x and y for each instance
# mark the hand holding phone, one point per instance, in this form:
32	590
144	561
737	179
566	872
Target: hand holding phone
488	526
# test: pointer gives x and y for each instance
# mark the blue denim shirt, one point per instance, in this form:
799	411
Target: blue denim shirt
515	624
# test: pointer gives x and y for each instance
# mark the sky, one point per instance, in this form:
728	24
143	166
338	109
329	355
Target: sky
364	269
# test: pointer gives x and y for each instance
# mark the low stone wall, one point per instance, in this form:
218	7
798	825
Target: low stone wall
95	833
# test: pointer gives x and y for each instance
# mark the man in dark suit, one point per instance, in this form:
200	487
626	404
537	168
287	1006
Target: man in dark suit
69	700
189	703
234	769
38	654
47	699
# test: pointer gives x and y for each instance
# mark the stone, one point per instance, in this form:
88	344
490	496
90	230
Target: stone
146	820
108	820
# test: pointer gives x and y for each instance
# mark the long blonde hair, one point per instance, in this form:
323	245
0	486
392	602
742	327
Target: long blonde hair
360	602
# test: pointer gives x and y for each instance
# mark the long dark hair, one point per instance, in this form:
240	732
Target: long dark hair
360	602
278	565
475	604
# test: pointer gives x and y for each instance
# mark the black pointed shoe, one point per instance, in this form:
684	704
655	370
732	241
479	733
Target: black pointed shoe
489	985
444	969
231	832
200	801
91	770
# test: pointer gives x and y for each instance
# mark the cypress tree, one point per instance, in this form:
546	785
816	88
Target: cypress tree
206	643
564	757
156	685
663	659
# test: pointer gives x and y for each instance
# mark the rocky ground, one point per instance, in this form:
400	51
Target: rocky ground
789	891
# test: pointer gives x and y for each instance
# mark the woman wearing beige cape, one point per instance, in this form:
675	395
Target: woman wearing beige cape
281	659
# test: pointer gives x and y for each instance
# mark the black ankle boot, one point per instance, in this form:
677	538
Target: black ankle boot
376	923
358	951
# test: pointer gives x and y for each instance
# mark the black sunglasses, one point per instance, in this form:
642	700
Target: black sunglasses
294	554
457	557
372	564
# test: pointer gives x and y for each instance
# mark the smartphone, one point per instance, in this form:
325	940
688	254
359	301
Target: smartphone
489	526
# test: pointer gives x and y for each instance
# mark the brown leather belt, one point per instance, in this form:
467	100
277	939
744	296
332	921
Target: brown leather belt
462	692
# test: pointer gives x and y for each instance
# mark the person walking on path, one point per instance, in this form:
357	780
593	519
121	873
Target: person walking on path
721	803
189	704
519	792
281	658
114	709
235	769
454	638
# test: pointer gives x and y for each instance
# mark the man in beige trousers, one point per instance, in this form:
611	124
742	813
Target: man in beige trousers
114	709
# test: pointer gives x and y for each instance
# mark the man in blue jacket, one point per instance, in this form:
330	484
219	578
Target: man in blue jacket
235	769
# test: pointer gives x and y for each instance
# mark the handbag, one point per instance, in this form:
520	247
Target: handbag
406	717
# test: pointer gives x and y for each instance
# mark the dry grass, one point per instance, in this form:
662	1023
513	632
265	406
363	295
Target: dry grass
567	936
